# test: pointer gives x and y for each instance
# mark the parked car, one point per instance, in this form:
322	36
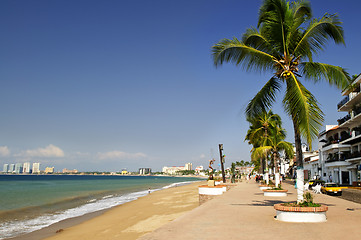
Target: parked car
331	189
313	183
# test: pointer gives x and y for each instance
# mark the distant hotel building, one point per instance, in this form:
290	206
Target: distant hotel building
36	168
70	171
188	166
173	170
18	168
49	170
26	168
11	168
6	168
144	171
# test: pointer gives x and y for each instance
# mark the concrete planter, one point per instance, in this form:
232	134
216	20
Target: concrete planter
301	214
207	193
275	193
218	183
212	190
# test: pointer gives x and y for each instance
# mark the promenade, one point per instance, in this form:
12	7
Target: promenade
244	213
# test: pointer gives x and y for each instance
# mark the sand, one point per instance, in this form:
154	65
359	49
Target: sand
127	221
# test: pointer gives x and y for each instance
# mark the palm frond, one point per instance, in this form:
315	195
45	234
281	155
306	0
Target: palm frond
253	38
334	75
317	34
237	52
261	152
302	106
263	99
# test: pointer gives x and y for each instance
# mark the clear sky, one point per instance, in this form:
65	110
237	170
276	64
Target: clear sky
107	85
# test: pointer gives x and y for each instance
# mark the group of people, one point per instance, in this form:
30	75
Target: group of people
259	178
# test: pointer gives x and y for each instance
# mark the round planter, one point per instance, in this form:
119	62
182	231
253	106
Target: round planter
215	190
275	193
301	214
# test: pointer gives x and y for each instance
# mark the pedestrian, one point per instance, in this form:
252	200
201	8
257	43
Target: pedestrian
148	190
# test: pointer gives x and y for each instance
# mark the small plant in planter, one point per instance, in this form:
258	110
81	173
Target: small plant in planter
306	211
277	188
308	202
275	192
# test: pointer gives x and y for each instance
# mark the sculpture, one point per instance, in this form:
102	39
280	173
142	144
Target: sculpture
211	169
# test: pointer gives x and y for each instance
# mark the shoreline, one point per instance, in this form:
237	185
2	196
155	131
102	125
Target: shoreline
75	226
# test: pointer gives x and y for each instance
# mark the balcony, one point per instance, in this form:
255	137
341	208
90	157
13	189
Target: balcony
343	101
356	138
350	101
335	157
345	136
350	119
344	119
354	156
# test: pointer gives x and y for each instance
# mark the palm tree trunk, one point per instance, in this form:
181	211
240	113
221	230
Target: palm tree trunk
299	163
277	175
266	175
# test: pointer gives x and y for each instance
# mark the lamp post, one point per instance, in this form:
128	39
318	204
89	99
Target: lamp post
222	161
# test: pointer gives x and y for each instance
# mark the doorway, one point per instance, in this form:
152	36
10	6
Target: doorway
345	177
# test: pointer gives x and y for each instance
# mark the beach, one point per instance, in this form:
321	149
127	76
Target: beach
127	221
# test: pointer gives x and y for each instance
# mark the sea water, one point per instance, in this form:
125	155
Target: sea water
32	202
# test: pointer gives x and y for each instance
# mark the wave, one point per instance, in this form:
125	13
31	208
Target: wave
19	227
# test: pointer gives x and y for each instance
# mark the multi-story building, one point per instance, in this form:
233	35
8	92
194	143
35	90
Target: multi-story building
26	167
18	168
144	171
11	168
36	168
172	170
188	166
6	168
333	154
49	170
74	171
340	155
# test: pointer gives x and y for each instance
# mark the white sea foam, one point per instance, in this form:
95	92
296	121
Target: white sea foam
15	228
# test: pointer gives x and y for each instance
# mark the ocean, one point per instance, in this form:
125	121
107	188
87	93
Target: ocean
32	202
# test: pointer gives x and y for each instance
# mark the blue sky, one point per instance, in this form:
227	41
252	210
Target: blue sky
107	85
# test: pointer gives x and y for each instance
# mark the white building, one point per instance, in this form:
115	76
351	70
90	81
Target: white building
172	170
352	122
26	167
188	166
340	145
333	154
6	168
19	168
36	168
11	168
311	165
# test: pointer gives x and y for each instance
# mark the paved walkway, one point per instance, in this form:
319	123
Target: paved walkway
244	213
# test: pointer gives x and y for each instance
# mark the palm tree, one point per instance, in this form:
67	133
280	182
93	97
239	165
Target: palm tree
284	42
262	127
275	145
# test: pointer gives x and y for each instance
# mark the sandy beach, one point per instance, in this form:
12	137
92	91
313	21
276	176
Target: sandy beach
127	221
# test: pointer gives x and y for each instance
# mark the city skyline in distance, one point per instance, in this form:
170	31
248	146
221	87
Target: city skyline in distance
103	86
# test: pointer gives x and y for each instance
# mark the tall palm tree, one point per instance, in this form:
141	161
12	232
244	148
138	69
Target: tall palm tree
284	42
275	144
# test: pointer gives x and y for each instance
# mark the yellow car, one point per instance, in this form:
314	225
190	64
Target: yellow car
332	189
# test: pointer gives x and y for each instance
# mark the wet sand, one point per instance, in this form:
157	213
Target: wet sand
127	221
